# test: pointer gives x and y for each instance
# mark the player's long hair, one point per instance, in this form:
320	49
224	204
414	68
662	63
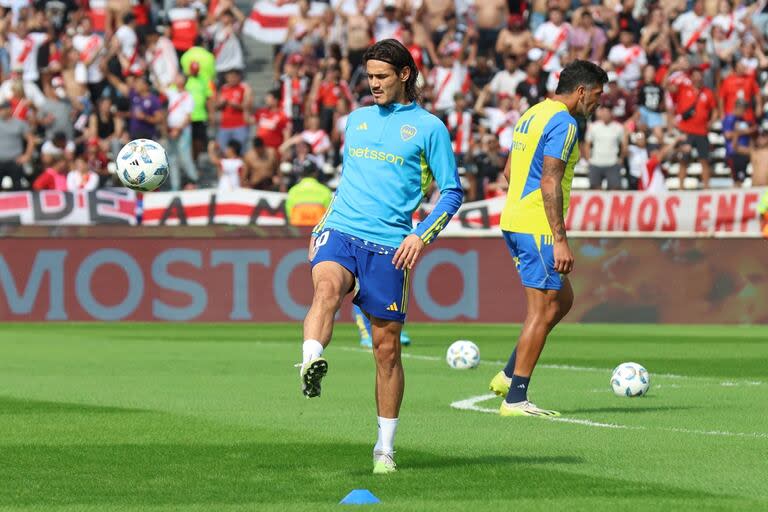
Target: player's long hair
580	72
393	52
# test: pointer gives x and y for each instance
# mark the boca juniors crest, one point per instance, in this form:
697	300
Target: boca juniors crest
407	132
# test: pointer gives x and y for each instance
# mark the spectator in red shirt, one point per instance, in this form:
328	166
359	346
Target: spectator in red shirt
676	80
54	177
696	108
234	103
740	84
327	93
184	26
271	122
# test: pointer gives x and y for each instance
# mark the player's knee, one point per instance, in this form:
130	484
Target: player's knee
557	309
386	348
552	314
328	295
387	355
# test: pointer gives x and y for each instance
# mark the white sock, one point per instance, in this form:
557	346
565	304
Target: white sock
386	441
312	349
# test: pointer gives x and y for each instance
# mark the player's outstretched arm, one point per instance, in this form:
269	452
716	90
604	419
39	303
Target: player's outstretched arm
552	195
442	165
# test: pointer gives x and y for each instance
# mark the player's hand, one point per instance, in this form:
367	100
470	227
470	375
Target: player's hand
563	257
408	252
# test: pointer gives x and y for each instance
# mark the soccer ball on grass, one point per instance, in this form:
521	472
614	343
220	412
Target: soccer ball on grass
142	165
463	355
630	379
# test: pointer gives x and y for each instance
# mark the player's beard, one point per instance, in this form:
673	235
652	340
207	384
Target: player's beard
584	110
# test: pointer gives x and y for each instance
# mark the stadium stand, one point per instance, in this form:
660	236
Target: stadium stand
81	78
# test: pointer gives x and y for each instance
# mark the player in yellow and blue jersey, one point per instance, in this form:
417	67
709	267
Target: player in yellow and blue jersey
366	241
539	171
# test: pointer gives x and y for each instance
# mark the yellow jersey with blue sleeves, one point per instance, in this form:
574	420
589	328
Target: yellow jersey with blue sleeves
391	156
546	129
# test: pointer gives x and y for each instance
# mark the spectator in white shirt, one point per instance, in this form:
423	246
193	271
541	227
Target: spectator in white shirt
507	80
57	147
161	58
387	24
445	80
225	33
628	60
604	150
552	37
128	44
691	26
81	178
22	48
90	48
179	147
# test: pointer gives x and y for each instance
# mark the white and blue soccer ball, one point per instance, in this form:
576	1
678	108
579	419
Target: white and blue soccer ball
630	379
463	355
142	165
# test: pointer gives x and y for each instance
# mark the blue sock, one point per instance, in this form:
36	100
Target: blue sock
518	390
509	370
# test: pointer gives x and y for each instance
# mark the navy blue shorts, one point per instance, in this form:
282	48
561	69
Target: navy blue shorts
534	257
382	290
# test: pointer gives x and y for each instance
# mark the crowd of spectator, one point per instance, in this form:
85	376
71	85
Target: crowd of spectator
78	79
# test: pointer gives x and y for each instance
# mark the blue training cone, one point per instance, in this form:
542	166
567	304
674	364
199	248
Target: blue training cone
360	497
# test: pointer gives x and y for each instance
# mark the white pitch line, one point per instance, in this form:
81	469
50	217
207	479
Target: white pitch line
566	367
470	404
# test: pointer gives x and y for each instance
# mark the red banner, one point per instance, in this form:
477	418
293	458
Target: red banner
700	213
705	213
103	206
461	280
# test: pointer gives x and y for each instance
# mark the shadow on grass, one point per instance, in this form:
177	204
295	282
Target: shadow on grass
430	461
286	472
11	405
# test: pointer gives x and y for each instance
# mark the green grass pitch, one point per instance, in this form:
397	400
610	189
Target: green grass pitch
189	417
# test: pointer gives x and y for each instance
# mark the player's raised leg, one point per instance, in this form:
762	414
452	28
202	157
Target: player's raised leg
390	384
331	283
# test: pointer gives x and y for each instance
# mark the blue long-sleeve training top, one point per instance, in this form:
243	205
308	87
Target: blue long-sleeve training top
391	155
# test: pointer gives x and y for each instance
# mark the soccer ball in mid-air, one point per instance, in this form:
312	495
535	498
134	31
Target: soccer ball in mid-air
142	165
462	355
630	379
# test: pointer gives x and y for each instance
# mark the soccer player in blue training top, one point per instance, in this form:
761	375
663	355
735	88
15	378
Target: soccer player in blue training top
539	171
366	240
364	326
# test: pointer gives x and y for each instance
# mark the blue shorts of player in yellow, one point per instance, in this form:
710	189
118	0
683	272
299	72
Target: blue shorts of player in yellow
535	260
382	289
